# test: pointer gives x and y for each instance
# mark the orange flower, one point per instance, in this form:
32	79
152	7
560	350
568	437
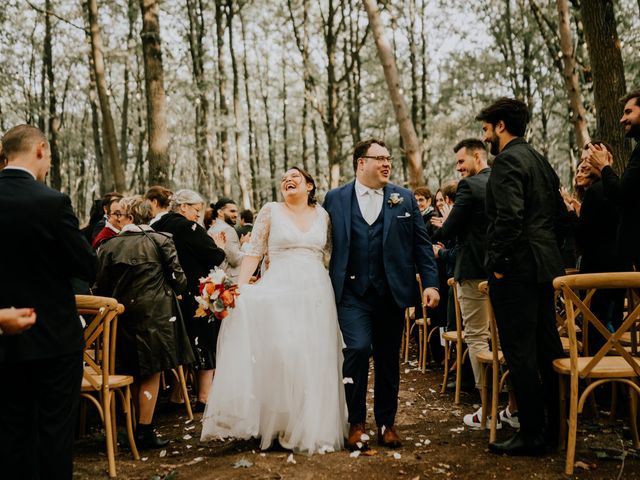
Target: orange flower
227	298
209	287
221	315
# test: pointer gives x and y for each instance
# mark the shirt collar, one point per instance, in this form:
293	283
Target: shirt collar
362	190
13	167
111	227
132	227
157	217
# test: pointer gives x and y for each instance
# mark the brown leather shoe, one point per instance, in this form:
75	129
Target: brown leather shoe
355	442
387	437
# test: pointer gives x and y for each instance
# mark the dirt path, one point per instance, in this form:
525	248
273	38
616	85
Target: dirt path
435	446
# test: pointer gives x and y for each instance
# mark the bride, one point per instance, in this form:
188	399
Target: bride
279	355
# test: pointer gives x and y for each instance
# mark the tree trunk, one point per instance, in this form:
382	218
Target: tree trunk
196	35
407	130
570	75
222	100
253	152
331	122
108	128
54	121
608	75
158	135
285	129
124	127
245	193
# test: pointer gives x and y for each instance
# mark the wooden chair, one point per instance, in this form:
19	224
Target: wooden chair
101	315
181	378
611	363
493	359
422	324
450	338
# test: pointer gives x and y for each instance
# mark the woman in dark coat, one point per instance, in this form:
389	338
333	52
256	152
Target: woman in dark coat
140	268
198	254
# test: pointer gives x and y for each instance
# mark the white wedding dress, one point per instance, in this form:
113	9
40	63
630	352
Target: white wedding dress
279	354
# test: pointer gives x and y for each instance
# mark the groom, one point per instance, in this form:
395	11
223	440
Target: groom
379	243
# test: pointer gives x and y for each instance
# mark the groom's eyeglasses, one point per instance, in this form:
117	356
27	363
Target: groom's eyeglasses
379	159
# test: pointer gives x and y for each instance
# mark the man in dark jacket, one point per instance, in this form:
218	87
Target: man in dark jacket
468	223
524	208
42	249
624	190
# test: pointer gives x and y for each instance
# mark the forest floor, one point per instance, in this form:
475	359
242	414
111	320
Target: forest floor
436	445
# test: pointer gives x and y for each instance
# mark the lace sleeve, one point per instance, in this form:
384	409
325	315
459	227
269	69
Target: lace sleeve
260	233
328	246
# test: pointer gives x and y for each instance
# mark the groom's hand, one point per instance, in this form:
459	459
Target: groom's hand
431	297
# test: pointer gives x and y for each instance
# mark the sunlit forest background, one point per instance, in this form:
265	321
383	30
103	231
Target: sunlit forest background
222	95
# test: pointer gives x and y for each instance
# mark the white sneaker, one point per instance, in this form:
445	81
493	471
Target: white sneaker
474	420
509	418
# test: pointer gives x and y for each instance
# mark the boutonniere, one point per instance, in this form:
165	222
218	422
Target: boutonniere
395	199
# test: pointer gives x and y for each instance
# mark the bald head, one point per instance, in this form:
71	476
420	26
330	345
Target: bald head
26	146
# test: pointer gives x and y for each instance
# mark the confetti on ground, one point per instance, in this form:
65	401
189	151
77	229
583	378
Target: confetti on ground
457	429
195	460
163	453
243	463
397	456
290	459
355	454
144	459
190	428
187	437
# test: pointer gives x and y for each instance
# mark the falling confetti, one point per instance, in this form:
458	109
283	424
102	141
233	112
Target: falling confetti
172	319
148	395
290	459
364	437
346	380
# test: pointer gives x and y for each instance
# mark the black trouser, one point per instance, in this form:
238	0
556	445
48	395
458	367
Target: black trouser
371	323
530	342
38	416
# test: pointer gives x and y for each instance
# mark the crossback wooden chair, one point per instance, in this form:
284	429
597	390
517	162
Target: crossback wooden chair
493	359
422	324
99	383
455	338
611	363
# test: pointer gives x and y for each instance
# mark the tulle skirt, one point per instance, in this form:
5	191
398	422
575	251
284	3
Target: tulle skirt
279	360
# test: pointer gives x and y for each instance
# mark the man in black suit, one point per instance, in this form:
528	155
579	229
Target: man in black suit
467	222
524	208
624	190
41	372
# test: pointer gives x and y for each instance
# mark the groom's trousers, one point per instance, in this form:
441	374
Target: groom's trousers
38	416
371	324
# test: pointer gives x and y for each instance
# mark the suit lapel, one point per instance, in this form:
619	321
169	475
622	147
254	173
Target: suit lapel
346	201
387	216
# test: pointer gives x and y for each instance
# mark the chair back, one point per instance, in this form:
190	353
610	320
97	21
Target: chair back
575	306
493	327
454	287
427	321
101	315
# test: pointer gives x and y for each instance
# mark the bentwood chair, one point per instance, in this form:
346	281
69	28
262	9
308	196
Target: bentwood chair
99	383
451	339
422	324
493	359
611	363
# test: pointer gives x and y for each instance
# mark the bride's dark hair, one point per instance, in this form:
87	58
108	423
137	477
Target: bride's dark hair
309	179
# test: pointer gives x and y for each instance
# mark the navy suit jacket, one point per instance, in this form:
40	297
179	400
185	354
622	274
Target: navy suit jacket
42	250
406	246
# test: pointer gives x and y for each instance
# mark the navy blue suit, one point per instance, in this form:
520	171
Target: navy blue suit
373	271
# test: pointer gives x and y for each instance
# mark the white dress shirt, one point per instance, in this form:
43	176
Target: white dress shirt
370	201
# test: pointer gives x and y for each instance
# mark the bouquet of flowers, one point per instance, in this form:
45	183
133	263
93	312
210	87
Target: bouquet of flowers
217	295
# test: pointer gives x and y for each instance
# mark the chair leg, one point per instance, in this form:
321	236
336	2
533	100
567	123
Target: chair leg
445	375
633	416
483	395
108	432
425	346
573	426
114	427
185	392
495	394
126	407
458	374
